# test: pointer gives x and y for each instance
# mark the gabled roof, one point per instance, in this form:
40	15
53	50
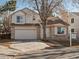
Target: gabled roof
23	10
56	20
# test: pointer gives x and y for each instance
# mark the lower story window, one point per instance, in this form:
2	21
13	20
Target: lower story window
72	30
60	30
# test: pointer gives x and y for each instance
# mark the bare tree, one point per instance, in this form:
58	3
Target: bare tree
45	8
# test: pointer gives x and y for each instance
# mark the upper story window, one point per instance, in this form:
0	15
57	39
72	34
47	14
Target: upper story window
60	30
18	19
72	20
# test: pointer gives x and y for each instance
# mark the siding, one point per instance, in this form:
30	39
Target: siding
27	16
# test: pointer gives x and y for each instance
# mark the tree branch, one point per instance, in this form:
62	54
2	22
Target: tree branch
37	7
56	4
50	3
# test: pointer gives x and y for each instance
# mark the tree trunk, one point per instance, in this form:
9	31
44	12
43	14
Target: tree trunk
44	30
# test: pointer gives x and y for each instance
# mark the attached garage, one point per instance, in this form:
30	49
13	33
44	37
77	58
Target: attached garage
26	32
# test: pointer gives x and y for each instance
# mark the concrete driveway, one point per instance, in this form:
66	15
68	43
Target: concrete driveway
28	46
19	47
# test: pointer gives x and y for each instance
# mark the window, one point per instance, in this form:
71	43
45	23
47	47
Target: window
60	30
33	17
72	20
19	18
72	30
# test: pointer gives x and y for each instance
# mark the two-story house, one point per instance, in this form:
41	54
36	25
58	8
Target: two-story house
26	24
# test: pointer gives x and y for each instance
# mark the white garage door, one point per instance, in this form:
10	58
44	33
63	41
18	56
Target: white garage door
25	34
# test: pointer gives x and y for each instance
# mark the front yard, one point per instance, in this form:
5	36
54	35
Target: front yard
38	50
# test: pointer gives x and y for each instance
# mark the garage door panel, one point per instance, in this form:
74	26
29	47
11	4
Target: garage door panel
26	34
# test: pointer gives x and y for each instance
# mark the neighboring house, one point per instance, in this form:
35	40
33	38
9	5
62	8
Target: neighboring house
72	18
74	23
26	24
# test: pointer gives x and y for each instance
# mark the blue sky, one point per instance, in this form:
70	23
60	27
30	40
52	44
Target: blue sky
67	4
2	1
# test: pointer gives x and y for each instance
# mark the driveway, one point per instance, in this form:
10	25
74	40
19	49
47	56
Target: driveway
25	46
21	47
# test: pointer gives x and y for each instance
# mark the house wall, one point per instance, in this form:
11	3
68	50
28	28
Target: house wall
14	17
27	17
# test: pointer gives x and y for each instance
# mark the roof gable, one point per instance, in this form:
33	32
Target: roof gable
24	11
56	20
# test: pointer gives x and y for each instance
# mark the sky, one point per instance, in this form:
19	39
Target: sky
67	5
2	1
